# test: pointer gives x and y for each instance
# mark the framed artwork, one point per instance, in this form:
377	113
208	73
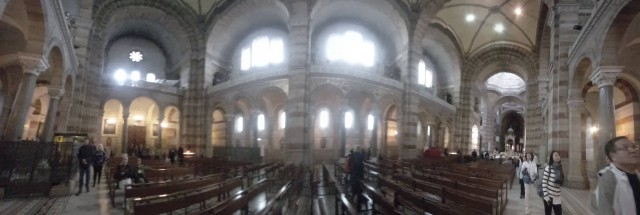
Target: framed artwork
108	128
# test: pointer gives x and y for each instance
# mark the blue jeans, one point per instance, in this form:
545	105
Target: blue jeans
84	176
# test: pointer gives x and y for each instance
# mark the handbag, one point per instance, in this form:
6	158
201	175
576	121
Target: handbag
526	178
559	175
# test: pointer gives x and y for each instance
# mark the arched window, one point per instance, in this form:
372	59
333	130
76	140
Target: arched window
324	119
282	119
351	47
474	137
425	76
261	122
370	121
239	124
262	51
348	119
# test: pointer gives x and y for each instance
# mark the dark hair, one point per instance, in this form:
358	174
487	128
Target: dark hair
610	146
528	153
551	157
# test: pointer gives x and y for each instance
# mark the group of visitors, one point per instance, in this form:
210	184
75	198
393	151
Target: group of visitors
90	155
618	190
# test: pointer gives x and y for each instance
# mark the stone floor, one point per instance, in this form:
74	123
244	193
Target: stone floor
96	201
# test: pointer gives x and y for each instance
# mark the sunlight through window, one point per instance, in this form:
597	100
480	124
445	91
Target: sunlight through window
261	122
350	47
239	124
324	119
348	119
262	51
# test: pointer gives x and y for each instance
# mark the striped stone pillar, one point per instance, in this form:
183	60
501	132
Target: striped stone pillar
576	168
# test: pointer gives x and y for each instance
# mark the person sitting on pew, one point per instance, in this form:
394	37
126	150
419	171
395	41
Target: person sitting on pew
123	172
137	172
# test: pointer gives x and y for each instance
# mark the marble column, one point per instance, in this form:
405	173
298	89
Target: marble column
343	133
31	68
230	128
604	77
125	131
576	168
50	120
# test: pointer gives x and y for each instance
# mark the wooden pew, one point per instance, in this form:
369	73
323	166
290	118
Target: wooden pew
152	189
379	203
238	202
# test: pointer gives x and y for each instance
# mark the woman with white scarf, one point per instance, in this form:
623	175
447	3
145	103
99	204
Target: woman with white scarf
530	175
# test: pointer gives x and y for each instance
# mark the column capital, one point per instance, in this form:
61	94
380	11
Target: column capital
125	115
32	64
605	75
575	104
55	93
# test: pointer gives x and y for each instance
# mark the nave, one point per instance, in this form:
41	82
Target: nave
98	200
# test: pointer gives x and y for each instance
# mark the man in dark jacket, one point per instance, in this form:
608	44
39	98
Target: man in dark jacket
85	153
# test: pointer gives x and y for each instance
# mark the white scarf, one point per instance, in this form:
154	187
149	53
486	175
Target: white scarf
623	200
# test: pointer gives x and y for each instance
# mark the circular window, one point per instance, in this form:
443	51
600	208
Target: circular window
135	56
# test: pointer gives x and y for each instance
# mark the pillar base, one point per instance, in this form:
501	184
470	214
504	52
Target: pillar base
577	182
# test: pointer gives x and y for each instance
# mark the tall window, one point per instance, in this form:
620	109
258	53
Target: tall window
370	121
282	119
260	122
350	47
261	52
239	124
474	137
324	119
425	76
348	119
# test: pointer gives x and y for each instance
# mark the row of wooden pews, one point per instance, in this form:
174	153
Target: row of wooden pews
434	191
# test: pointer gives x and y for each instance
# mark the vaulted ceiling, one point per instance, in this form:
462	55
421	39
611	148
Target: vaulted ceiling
480	23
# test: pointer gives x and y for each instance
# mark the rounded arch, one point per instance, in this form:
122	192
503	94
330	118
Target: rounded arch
327	95
581	73
143	109
272	99
115	19
55	73
614	39
232	24
25	23
383	18
497	58
243	103
444	53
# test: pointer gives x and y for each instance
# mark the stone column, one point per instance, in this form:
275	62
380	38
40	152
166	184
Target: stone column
253	128
50	120
383	134
576	168
125	131
230	128
160	119
31	68
343	132
604	77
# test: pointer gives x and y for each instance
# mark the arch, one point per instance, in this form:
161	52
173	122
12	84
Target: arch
500	57
219	128
614	40
54	75
272	99
114	19
444	55
580	77
27	20
230	25
381	17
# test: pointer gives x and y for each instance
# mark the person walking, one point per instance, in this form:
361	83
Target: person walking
84	159
520	165
172	156
618	191
98	161
529	176
552	180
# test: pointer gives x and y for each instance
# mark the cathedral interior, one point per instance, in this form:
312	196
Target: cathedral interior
303	83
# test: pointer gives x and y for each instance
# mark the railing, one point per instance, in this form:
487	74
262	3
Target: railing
31	168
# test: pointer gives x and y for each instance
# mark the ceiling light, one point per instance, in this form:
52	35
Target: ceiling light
120	76
518	11
498	28
135	76
470	17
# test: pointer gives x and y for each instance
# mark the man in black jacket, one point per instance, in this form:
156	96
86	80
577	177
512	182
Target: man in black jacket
84	157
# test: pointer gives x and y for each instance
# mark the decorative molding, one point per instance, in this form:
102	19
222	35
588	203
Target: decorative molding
567	8
55	93
603	8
